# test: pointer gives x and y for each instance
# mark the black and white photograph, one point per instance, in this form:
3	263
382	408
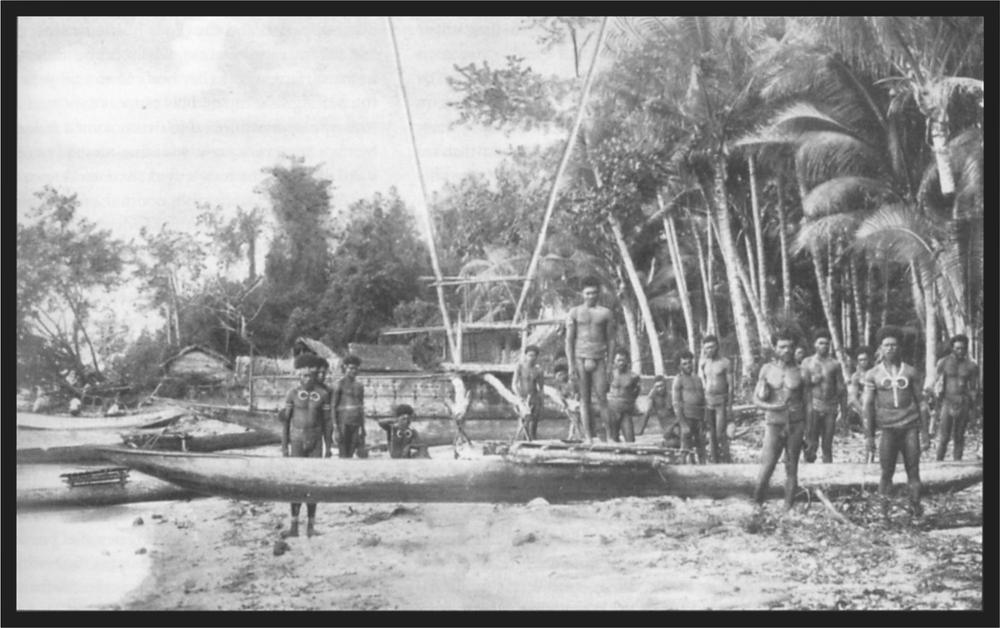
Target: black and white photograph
512	313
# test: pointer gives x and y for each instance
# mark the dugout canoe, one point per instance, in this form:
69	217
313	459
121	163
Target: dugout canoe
157	418
527	471
40	486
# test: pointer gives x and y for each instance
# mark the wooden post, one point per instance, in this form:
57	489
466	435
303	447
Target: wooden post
553	193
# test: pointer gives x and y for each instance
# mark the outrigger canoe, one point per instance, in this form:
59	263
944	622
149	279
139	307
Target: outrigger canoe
157	418
558	472
44	486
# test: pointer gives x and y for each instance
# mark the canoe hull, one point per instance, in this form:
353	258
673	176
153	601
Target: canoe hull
48	491
491	478
147	419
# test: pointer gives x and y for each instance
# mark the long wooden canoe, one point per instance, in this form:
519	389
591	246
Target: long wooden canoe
158	418
521	475
40	486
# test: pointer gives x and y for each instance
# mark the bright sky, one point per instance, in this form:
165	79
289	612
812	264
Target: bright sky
144	117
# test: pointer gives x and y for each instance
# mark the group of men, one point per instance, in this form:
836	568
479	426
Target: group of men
801	396
316	417
800	401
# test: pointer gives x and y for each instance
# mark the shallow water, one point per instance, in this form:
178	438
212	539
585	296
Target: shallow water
79	559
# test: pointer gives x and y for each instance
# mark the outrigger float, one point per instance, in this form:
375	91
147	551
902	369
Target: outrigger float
557	471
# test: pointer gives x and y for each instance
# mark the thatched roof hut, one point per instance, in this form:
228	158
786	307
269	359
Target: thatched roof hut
198	362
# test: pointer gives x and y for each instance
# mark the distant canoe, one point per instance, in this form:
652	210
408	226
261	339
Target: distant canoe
518	476
157	418
40	486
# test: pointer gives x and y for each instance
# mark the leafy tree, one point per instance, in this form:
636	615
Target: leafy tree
62	259
236	237
169	265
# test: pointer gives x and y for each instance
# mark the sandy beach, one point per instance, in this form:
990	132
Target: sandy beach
620	554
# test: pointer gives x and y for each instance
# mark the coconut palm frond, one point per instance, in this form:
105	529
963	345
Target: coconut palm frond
823	155
897	233
822	231
844	195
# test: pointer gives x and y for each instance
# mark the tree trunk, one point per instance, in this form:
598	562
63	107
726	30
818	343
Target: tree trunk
942	153
252	257
633	335
918	293
710	317
930	327
730	258
884	273
866	335
822	284
640	294
858	303
786	274
675	256
758	230
752	271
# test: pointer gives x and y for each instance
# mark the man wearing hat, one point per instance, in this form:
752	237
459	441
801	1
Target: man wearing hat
308	425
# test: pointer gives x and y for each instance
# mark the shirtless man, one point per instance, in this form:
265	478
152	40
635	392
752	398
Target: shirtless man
856	385
349	410
527	384
622	393
800	354
957	387
829	396
892	402
590	340
307	425
717	376
782	391
688	397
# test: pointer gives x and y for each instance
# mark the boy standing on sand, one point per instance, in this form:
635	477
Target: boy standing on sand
828	396
782	391
892	402
307	425
590	340
659	405
856	385
689	405
623	392
717	377
527	384
349	410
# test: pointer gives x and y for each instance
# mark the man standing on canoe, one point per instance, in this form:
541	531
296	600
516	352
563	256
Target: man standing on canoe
590	340
688	395
528	382
718	378
622	393
957	386
892	402
782	392
349	410
828	396
308	425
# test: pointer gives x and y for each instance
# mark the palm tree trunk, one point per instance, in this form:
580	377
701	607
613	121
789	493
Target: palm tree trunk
706	284
870	304
826	298
918	293
751	270
675	257
857	302
640	295
942	153
634	351
758	230
730	258
786	274
930	327
886	276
